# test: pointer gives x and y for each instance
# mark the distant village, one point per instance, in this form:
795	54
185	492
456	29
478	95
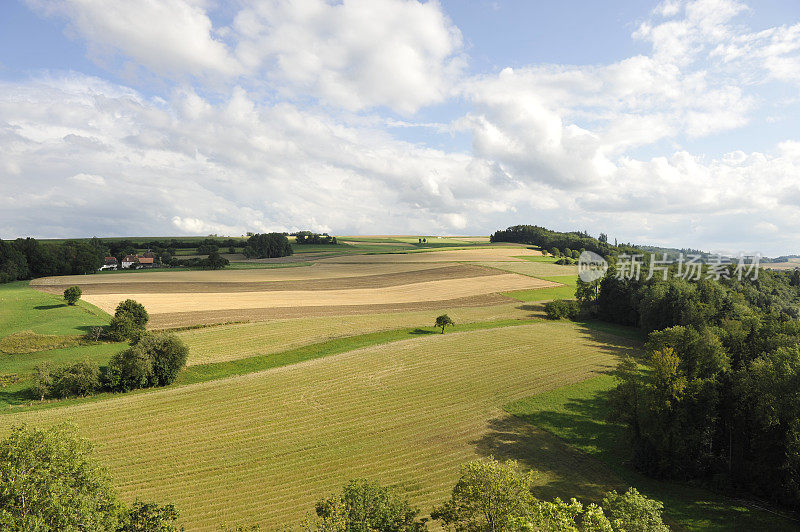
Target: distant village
130	262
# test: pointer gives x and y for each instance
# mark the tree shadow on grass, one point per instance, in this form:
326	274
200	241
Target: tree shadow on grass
563	471
49	307
423	331
17	397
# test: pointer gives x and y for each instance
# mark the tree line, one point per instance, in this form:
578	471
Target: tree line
268	246
27	258
714	399
307	237
50	482
550	240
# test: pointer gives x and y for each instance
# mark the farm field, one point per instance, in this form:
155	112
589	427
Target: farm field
241	340
441	290
476	254
313	271
382	284
304	375
262	448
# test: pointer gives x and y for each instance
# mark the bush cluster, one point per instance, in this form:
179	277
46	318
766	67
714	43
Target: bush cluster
154	360
562	308
489	495
71	380
268	246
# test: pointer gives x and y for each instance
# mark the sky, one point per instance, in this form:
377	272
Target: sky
669	123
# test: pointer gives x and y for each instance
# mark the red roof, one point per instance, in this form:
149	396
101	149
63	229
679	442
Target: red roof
146	260
111	259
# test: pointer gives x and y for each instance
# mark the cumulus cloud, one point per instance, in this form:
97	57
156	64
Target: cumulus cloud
233	166
89	179
357	54
169	37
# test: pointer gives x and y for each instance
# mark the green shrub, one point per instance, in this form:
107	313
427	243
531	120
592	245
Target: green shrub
135	310
124	328
155	360
634	511
76	380
365	505
71	380
129	370
72	294
168	354
562	308
129	321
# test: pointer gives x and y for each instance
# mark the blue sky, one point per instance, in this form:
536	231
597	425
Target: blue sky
672	123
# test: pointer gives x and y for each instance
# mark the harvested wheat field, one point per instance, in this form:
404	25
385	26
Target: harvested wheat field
241	340
169	320
157	303
421	273
495	253
299	273
261	448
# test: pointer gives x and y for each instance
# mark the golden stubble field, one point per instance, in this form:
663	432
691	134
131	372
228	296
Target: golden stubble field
262	448
441	290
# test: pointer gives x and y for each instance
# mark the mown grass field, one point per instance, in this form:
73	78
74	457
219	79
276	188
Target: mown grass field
242	340
263	447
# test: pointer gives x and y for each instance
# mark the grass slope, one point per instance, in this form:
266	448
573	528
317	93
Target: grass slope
577	414
25	309
567	291
263	447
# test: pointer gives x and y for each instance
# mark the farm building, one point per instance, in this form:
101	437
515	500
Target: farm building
110	263
139	261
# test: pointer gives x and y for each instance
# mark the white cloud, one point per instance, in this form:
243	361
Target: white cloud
169	37
89	179
355	54
229	167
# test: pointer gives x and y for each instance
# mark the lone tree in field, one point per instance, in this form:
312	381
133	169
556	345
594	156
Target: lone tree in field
443	321
129	321
72	294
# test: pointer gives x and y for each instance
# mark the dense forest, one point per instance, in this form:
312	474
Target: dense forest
715	398
26	258
307	237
